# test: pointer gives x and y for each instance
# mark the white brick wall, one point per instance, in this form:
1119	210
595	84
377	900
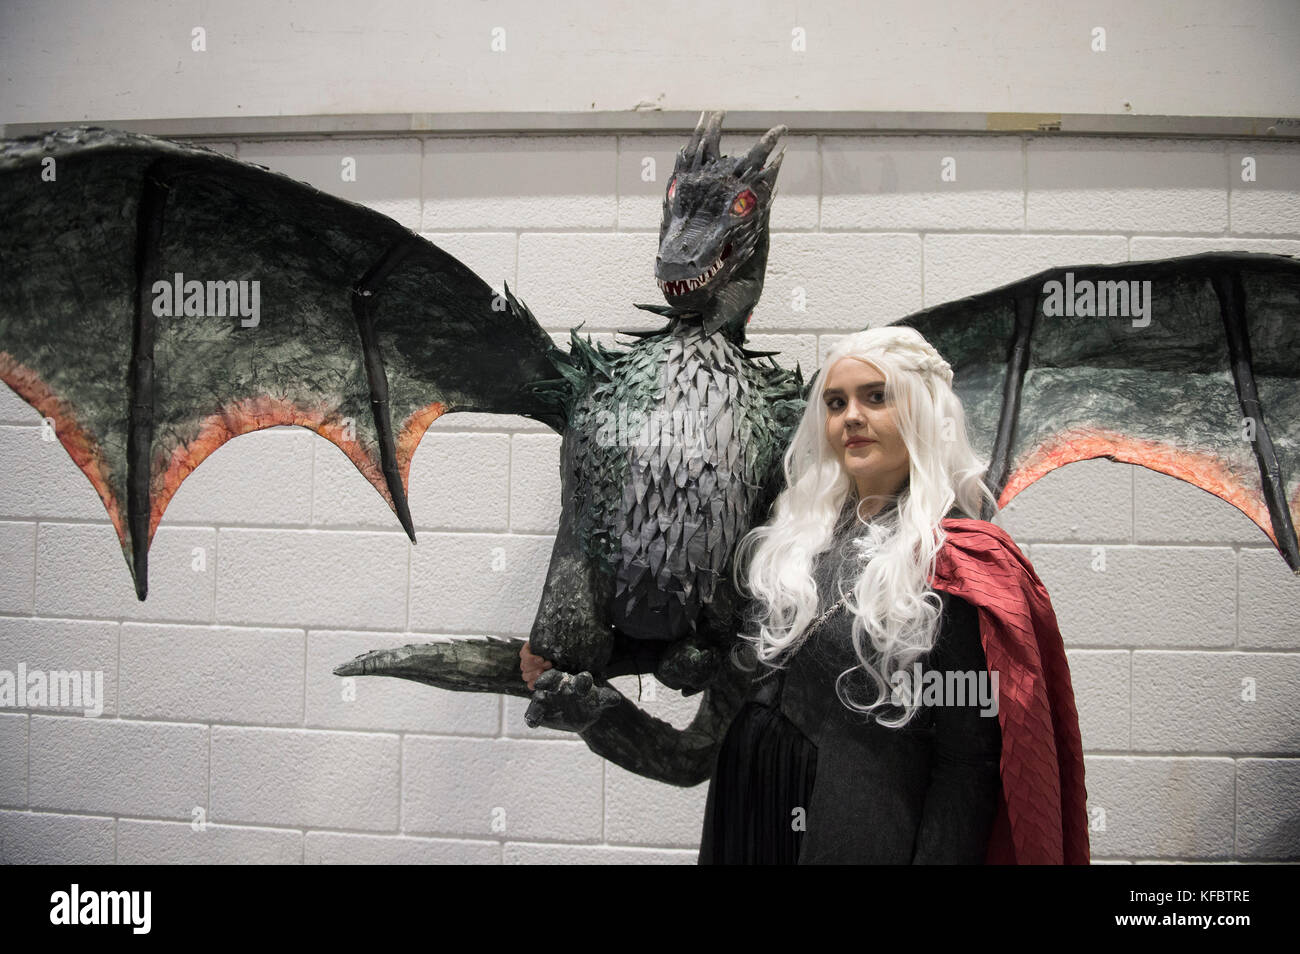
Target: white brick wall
219	701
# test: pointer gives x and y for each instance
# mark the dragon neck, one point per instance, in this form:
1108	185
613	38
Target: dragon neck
727	313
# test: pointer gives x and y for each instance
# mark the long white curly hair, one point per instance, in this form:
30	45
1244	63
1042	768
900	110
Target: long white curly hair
896	612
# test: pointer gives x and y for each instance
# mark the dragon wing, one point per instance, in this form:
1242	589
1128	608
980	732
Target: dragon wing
159	299
1195	378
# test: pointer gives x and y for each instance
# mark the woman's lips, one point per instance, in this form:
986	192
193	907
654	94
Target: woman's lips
859	442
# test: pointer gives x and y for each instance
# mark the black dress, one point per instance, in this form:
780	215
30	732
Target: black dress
926	793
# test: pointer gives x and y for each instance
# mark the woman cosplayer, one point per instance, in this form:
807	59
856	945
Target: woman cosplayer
912	701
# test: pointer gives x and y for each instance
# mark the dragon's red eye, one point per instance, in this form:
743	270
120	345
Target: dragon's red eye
744	203
672	189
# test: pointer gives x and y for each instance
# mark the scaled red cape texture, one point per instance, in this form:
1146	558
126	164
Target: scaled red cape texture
1042	814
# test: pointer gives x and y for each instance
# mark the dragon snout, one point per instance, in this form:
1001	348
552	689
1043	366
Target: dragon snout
694	278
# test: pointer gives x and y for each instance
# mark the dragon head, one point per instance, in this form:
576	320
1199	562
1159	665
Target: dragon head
714	235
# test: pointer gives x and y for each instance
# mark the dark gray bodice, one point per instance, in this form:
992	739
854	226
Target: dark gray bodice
923	792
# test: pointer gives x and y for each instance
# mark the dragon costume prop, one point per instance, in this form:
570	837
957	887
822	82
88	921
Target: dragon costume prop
366	333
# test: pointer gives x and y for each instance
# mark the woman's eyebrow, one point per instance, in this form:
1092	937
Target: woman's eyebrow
861	387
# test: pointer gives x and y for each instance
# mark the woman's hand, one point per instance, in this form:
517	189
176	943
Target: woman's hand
532	665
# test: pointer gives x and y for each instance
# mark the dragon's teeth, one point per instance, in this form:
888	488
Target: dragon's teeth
685	285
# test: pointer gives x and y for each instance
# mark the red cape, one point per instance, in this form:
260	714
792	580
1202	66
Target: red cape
1042	814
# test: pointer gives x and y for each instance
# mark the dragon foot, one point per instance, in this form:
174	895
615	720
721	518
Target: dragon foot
570	702
688	666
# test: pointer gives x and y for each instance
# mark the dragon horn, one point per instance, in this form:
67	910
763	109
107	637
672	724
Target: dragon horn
693	146
761	150
711	136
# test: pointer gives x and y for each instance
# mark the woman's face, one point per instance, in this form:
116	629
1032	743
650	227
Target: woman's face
862	428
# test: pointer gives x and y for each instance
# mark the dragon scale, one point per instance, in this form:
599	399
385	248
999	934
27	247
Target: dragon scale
665	461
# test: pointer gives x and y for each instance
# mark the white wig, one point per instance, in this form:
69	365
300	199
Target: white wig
892	602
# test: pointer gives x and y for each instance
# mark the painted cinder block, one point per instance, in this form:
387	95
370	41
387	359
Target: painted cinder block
460	482
245	676
1268	601
312	578
254	480
111	766
535	488
342	499
492	256
608	272
1215	702
172	843
1169	510
14	410
346	848
1156	807
922	183
13	759
828	281
1264	187
1087	501
304	778
554	182
642	811
456	421
506	788
65	645
477	584
1268	825
80	571
1146	247
1099	184
958	265
795	350
1101	682
522	853
48	838
41	479
1144	597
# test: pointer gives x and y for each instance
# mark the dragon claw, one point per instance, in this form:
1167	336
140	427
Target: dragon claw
568	701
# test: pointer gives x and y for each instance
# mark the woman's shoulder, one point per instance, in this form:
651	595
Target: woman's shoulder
984	550
969	533
957	522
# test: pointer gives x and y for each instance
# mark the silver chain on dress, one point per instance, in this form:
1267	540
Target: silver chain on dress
810	630
828	614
